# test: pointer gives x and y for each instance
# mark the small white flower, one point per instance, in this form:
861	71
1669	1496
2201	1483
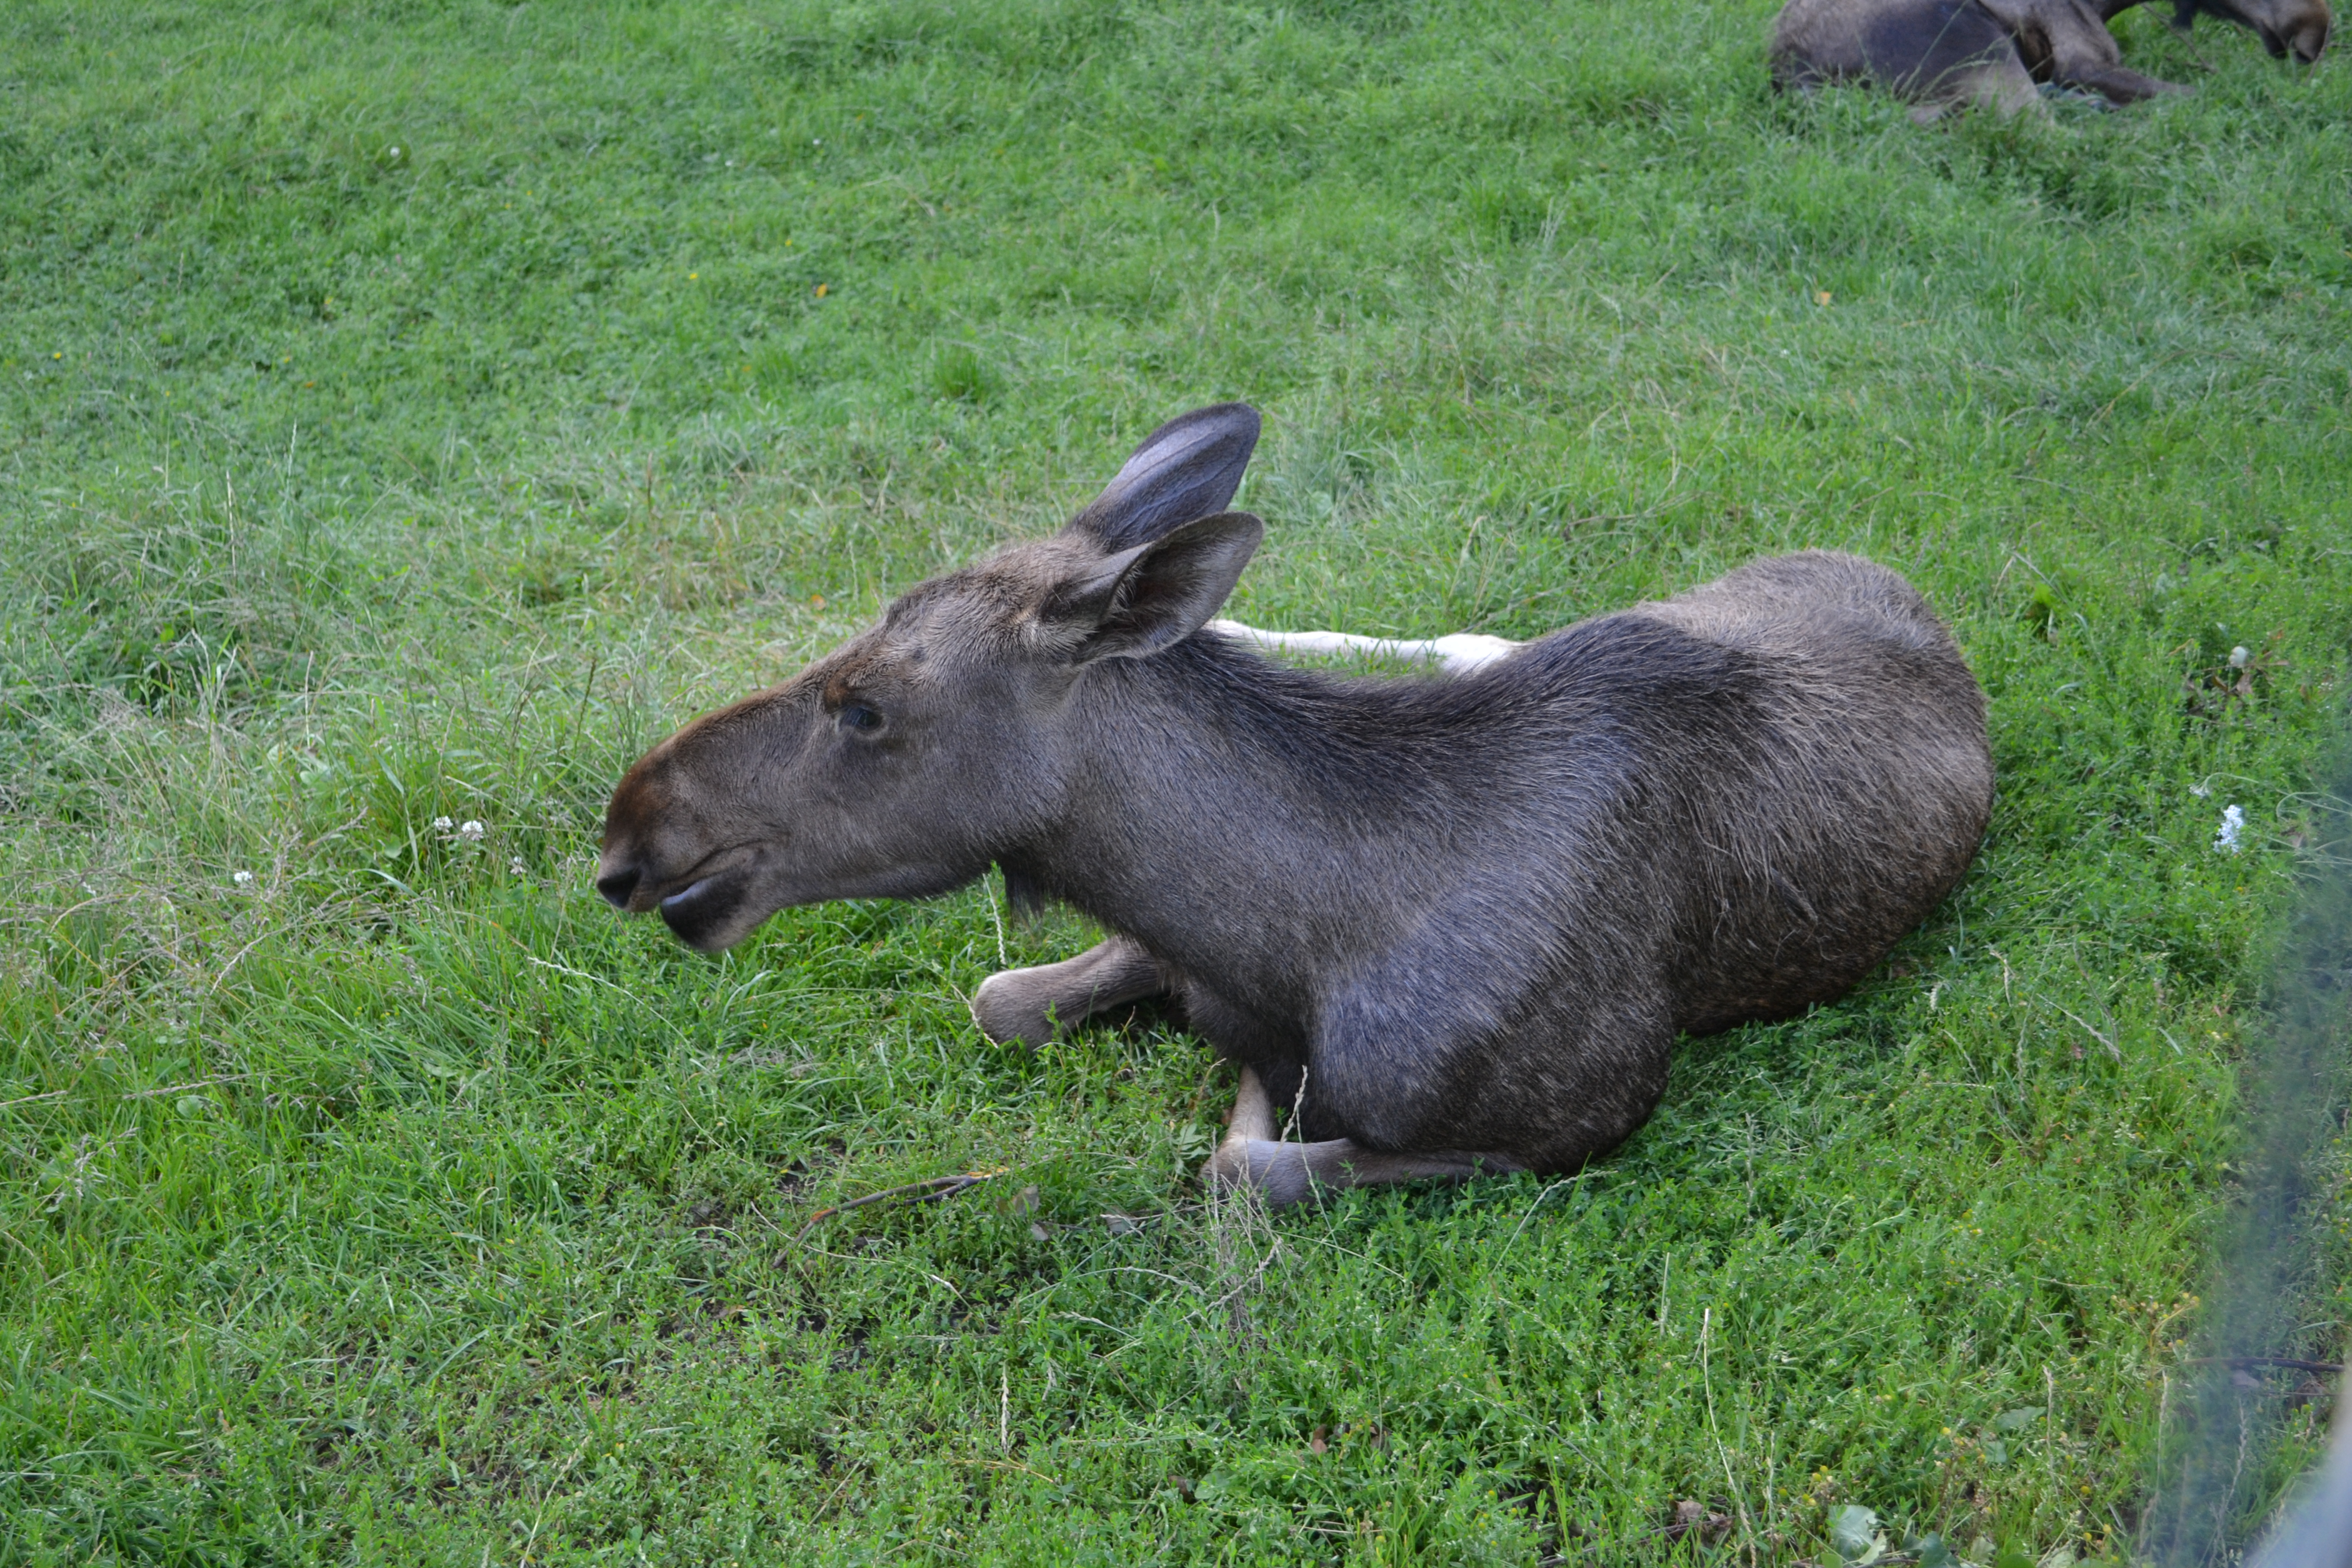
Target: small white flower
242	879
2238	657
518	867
471	832
2233	823
442	824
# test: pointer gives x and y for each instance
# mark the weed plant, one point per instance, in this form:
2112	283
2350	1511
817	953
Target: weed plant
411	410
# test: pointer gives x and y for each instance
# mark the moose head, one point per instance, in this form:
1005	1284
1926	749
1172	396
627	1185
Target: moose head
2284	27
908	760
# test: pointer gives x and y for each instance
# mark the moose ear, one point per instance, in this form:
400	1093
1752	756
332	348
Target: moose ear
1150	597
1188	469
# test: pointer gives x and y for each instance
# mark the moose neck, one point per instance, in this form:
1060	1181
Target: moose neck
1218	801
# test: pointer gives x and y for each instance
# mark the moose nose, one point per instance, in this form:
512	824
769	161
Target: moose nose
616	886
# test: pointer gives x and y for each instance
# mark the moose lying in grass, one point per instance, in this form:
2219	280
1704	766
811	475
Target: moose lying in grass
1455	922
1947	54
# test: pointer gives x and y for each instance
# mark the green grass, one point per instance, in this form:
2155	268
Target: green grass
409	411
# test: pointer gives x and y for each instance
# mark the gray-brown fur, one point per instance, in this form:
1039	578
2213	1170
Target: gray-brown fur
1456	922
1947	54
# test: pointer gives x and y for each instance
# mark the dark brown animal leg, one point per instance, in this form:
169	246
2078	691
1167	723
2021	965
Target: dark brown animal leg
1286	1173
1032	1006
2120	84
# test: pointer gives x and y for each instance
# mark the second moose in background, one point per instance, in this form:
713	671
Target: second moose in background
1949	54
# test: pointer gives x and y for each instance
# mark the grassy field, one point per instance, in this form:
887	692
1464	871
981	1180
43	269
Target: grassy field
408	411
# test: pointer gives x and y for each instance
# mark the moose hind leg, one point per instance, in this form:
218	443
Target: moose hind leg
1287	1174
1032	1006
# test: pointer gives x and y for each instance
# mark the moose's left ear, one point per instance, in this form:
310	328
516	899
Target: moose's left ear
1187	469
1142	600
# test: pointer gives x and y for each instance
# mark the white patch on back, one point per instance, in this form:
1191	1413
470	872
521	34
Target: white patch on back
1456	655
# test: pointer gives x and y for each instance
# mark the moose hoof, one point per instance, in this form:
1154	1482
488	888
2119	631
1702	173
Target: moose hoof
1280	1175
1007	1012
1229	1167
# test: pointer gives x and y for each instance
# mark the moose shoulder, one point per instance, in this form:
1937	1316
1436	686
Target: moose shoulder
1947	53
1454	921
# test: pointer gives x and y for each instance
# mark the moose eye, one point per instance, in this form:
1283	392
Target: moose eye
858	716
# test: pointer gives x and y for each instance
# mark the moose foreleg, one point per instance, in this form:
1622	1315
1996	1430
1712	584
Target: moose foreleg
2116	84
1032	1006
1287	1174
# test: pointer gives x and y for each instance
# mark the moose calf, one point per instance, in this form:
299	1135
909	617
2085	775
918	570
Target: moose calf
1454	922
1947	54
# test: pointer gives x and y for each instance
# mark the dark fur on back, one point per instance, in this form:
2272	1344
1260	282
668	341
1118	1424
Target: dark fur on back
1458	921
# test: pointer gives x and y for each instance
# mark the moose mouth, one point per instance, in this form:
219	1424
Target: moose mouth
684	898
696	912
702	912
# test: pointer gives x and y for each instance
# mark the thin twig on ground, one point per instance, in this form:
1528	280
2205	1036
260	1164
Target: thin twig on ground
923	1191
